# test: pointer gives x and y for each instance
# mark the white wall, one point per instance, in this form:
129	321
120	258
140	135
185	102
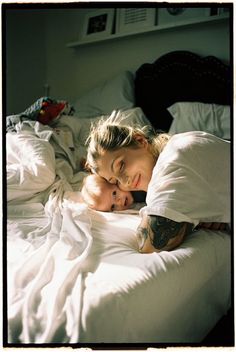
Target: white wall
70	72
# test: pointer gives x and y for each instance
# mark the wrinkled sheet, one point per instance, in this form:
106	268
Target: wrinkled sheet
44	268
78	277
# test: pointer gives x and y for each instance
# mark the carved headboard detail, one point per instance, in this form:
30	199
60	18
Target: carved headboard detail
181	76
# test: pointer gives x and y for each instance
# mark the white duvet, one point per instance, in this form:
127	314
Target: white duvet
75	275
81	279
30	165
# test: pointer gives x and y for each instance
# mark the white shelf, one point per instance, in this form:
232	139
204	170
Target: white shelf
192	21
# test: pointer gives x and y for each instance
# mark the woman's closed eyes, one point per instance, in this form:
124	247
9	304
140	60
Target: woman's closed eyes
122	166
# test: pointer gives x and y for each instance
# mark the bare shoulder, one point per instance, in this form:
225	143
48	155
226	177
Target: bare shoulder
156	233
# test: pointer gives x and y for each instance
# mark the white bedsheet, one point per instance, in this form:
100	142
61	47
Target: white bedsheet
80	278
167	297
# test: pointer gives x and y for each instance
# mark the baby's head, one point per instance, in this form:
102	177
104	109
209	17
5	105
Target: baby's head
101	195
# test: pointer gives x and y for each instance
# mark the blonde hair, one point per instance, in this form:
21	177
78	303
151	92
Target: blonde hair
92	189
110	136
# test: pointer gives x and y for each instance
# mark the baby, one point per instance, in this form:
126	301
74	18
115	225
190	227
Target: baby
101	195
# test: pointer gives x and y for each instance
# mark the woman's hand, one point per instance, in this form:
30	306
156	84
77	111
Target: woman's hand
156	233
213	226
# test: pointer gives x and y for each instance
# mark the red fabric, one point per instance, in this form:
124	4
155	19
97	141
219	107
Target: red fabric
50	111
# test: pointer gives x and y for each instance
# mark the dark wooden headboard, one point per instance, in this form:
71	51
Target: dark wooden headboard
181	76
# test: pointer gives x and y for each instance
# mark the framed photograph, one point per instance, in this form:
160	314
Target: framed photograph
170	15
98	24
134	19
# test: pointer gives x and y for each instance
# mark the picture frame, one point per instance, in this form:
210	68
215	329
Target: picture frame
97	24
130	20
176	14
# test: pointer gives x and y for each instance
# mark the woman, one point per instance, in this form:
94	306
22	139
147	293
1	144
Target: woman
186	177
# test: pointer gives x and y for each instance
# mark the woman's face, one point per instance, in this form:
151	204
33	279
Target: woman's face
131	169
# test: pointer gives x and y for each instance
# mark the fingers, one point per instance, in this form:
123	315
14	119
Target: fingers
205	225
213	226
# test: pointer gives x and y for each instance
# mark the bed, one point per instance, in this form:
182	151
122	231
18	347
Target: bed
74	275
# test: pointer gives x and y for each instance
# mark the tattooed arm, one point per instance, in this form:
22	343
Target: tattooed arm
156	233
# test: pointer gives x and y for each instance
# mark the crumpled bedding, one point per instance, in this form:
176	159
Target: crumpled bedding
36	157
45	274
45	110
78	278
30	167
75	275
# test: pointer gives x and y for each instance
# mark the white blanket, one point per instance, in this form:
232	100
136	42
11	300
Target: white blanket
44	266
80	278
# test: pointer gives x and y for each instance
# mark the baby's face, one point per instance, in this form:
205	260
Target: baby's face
114	199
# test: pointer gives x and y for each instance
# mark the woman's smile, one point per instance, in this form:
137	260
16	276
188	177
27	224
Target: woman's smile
136	181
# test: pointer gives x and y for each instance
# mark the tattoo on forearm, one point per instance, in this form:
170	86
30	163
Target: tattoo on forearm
160	230
163	230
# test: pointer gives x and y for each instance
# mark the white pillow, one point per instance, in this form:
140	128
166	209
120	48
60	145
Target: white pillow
115	93
30	165
211	118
